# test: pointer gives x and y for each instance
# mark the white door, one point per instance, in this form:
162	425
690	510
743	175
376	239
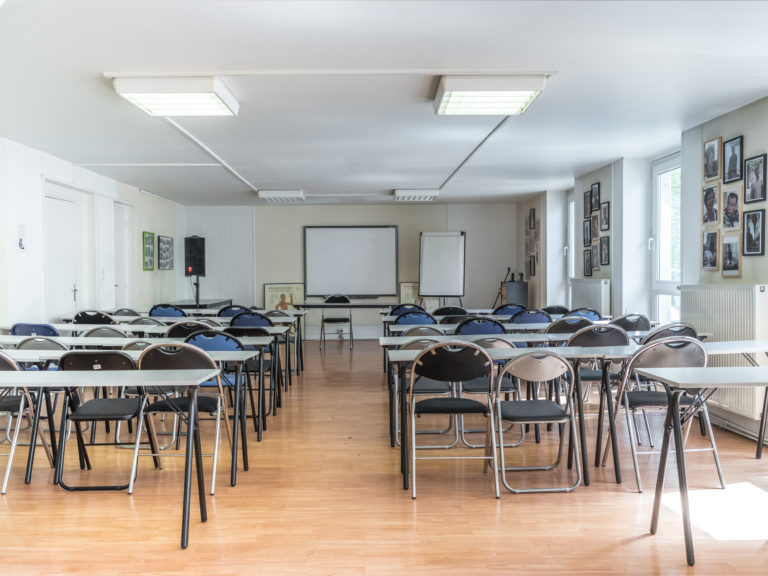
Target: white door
122	257
63	257
666	239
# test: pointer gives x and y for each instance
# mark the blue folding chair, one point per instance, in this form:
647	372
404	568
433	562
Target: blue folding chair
590	313
480	326
24	329
166	310
414	317
508	309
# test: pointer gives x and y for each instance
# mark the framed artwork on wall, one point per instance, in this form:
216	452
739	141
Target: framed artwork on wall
409	294
710	245
532	219
588	262
711	159
587	233
595	194
732	207
595	256
605	250
148	250
594	227
164	253
283	295
587	203
753	243
711	202
732	159
731	255
754	179
605	216
532	266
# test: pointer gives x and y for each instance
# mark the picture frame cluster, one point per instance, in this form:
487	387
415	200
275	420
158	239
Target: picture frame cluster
731	182
597	219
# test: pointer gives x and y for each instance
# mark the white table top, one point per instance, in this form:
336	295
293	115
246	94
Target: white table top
390	341
90	342
62	378
55	355
132	329
569	352
709	377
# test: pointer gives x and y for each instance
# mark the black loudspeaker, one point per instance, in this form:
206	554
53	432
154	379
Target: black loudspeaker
194	256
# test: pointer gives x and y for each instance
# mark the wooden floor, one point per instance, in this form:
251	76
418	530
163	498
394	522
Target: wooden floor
324	496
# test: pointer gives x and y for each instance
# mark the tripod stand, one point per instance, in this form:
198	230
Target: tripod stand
501	287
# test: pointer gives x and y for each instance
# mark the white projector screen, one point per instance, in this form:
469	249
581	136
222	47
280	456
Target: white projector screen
352	260
441	264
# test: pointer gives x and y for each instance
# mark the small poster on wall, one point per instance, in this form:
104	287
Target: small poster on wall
409	294
283	296
148	250
164	253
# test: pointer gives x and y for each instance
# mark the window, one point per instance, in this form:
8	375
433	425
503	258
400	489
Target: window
666	239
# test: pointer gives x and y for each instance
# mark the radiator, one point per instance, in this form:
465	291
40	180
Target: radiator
730	312
591	293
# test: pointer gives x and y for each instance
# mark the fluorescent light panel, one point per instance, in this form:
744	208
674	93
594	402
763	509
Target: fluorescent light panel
421	195
487	95
192	96
282	196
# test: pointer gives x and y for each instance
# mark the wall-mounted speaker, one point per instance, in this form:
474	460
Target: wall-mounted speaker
194	256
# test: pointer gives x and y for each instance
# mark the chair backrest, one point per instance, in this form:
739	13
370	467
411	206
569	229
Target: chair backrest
96	360
104	332
233	310
508	309
25	329
337	299
449	311
480	326
415	317
599	335
176	356
214	340
538	367
400	308
137	345
93	317
211	322
453	361
455	319
166	310
532	316
492	342
669	330
420	344
590	313
632	322
555	309
251	319
185	328
568	325
126	312
40	343
246	331
276	313
422	331
7	363
145	321
671	352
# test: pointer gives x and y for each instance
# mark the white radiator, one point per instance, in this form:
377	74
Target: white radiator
730	312
591	293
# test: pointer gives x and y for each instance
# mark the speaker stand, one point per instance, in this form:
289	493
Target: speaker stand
196	284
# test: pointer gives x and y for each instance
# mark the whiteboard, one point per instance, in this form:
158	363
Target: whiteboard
351	260
441	264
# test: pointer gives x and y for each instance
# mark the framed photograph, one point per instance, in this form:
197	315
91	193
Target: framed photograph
731	255
587	203
532	266
595	257
409	294
588	262
754	232
587	233
148	250
732	207
710	245
595	193
532	219
732	159
711	202
164	253
283	296
605	216
594	227
711	159
605	250
754	179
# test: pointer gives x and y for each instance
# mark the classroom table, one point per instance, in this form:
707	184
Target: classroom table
705	380
188	380
216	303
403	358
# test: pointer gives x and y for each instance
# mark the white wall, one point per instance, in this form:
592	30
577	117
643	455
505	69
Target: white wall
555	263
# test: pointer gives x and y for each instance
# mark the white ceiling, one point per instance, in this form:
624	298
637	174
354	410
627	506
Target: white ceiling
336	97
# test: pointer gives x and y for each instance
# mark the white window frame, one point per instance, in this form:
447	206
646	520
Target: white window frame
660	287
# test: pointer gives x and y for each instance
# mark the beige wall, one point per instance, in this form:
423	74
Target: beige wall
604	176
536	282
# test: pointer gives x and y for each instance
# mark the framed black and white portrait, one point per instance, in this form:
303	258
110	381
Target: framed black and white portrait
711	159
754	179
587	203
605	250
605	216
595	193
732	159
753	233
587	233
730	255
588	262
710	246
732	207
595	256
711	203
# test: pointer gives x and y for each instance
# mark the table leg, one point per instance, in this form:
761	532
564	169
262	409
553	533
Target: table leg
606	384
191	417
33	439
582	426
260	409
761	435
235	435
392	386
403	425
288	371
243	413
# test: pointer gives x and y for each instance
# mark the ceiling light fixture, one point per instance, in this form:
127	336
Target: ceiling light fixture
487	95
282	196
190	96
422	195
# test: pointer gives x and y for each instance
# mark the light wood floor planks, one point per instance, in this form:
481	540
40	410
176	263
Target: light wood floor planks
324	496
